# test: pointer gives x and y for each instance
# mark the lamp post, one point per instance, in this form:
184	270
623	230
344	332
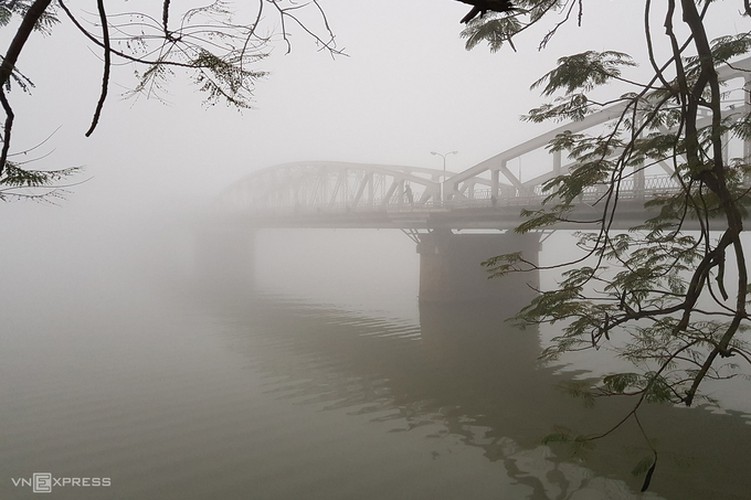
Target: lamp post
443	156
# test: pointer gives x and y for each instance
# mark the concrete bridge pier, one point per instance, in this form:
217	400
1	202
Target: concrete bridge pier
450	269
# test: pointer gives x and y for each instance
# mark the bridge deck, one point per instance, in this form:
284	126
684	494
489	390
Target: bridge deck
456	216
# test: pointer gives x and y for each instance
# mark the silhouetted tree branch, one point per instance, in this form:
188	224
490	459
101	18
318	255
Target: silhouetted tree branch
665	291
219	54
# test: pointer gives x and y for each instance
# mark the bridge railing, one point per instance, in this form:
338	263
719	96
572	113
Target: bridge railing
629	189
494	172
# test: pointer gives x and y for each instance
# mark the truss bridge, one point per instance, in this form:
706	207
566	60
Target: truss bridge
432	205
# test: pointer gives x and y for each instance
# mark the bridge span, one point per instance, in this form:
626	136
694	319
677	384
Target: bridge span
432	206
488	195
322	194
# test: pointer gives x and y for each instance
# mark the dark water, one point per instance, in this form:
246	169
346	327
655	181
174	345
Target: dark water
193	391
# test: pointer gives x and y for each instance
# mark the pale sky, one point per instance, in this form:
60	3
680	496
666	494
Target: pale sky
407	87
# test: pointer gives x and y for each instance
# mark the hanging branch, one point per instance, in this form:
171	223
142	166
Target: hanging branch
8	65
218	54
647	286
107	63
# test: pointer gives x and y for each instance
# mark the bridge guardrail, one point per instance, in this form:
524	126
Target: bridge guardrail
652	185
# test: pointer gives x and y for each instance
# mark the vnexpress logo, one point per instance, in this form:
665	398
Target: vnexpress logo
43	482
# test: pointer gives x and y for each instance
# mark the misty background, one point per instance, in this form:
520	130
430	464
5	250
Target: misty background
112	365
406	87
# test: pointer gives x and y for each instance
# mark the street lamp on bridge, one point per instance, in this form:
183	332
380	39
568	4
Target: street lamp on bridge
443	156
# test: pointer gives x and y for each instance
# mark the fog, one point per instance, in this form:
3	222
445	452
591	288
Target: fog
406	87
119	360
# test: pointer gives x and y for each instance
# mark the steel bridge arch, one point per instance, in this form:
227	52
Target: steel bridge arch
321	186
327	187
489	172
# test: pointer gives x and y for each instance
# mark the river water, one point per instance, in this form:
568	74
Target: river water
325	379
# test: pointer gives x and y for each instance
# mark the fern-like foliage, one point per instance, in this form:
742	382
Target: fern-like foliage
218	46
49	186
10	9
670	295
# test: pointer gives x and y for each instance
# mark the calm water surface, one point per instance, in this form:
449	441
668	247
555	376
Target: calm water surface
193	391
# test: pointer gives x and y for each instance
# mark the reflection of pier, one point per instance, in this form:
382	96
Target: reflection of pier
467	373
502	388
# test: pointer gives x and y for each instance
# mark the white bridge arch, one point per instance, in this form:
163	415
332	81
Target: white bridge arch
333	186
489	194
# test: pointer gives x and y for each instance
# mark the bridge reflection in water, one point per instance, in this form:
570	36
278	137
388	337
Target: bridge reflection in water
463	378
461	373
